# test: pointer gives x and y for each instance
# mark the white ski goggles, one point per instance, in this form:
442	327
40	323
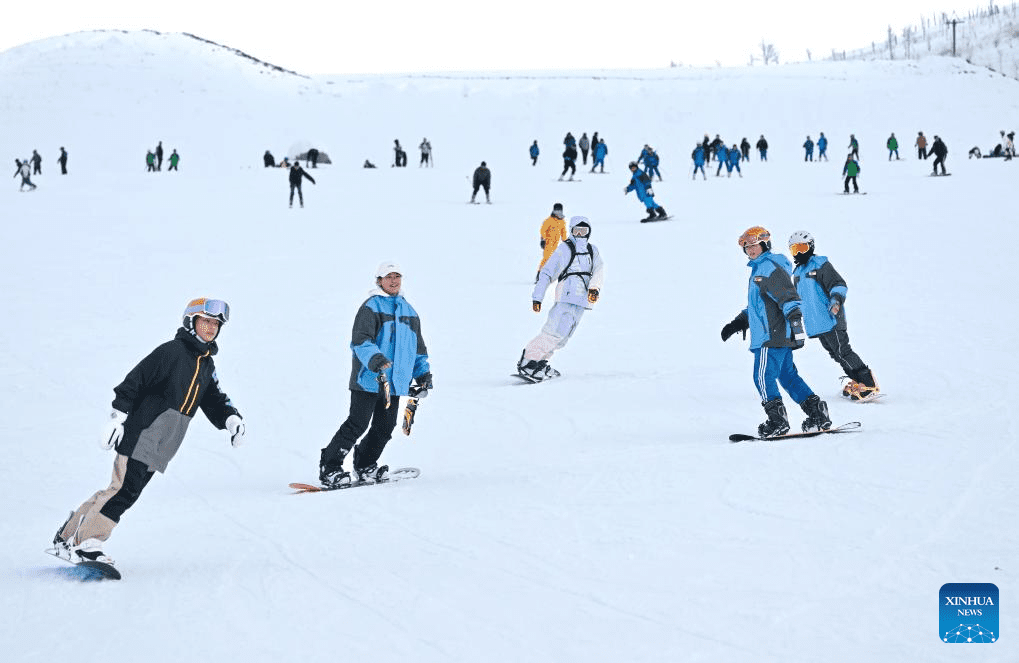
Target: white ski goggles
211	308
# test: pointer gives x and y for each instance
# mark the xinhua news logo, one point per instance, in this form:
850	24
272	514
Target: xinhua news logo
969	613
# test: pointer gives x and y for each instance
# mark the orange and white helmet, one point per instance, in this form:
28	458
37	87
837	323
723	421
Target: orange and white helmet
206	308
755	235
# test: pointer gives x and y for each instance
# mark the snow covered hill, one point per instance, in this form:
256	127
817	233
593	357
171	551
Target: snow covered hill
600	517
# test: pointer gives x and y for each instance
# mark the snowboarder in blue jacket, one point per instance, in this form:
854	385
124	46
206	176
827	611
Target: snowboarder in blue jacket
733	161
822	147
534	151
641	183
600	150
698	156
822	292
389	354
809	147
775	322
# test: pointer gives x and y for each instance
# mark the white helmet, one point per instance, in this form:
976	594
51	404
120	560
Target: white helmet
801	245
801	237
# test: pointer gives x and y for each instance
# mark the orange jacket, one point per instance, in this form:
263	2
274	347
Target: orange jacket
553	231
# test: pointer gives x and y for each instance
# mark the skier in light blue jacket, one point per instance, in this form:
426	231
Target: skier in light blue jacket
641	183
823	293
775	322
388	354
577	267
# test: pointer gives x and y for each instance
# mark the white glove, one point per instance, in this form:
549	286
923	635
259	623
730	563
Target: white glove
113	431
235	425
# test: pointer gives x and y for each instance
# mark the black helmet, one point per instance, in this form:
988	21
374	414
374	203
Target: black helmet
632	164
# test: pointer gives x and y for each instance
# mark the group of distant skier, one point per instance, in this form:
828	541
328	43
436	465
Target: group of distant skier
25	168
154	159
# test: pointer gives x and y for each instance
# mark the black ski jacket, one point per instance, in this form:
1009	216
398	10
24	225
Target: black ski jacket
161	395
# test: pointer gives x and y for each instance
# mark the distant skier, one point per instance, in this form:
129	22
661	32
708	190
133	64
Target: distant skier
62	160
698	156
584	144
534	152
297	175
722	155
715	145
808	146
482	180
921	146
854	146
426	153
744	148
553	231
577	267
569	140
312	157
569	162
25	170
152	410
598	160
159	156
651	161
762	148
822	147
268	160
641	183
399	156
893	147
389	358
775	322
851	170
36	163
733	161
174	160
940	152
150	162
822	292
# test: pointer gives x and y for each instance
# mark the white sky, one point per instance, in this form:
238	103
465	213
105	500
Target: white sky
316	37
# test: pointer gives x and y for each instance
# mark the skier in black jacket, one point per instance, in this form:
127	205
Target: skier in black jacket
296	175
152	409
940	151
482	180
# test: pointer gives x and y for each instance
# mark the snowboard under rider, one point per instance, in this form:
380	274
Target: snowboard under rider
775	322
822	292
389	360
152	410
578	268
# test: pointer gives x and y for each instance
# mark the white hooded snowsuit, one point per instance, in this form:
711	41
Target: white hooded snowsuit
578	267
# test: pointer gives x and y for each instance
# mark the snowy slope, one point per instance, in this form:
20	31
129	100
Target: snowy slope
601	517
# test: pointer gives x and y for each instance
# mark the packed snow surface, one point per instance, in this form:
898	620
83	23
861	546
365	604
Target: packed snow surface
600	517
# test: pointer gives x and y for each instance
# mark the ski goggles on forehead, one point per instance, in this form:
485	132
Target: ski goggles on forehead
213	308
798	248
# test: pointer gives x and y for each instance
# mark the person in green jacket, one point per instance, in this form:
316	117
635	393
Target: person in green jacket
893	147
174	160
851	170
150	162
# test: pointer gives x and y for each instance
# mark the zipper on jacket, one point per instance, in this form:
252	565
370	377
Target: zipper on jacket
186	407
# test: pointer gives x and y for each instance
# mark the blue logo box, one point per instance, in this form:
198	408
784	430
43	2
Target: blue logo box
969	613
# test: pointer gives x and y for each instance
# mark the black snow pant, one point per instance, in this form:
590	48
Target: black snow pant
300	194
366	409
852	178
569	166
584	152
921	153
534	161
63	167
940	160
836	343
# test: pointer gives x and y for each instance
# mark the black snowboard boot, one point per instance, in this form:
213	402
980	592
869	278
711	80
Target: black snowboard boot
332	474
777	423
661	212
651	215
817	414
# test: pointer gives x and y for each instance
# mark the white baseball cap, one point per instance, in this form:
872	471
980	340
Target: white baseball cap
386	268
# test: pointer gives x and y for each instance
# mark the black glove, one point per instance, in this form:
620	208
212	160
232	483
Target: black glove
739	324
796	329
542	243
422	385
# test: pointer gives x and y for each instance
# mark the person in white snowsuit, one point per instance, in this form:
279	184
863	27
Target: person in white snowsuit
25	170
578	268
